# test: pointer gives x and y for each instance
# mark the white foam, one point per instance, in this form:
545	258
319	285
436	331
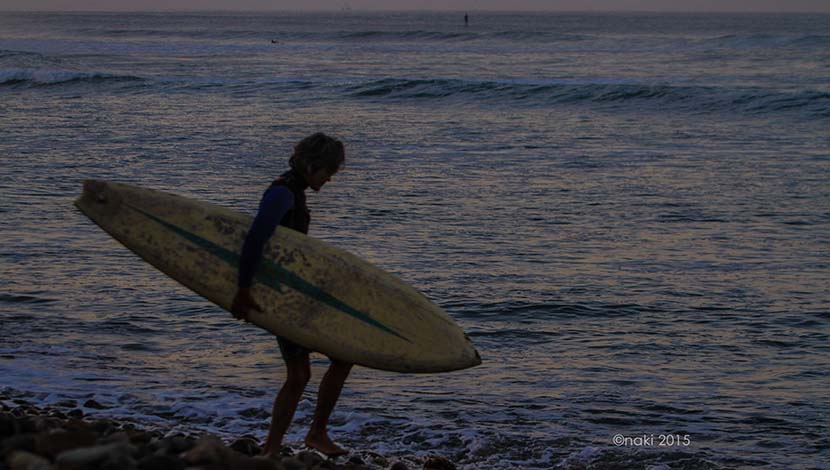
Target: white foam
581	458
40	76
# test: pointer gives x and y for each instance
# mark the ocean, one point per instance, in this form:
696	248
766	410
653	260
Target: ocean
628	213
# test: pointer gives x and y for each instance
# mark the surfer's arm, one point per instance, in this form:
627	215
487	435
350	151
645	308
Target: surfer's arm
273	207
275	203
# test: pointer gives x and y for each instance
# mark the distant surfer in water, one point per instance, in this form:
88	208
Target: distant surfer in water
315	160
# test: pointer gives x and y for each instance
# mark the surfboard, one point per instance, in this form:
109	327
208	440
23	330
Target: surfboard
314	294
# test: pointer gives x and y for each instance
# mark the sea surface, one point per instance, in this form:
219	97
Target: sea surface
628	213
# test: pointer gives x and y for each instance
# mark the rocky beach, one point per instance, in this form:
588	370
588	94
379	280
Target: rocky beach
72	435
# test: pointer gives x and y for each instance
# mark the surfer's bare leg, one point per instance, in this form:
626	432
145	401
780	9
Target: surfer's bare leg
285	405
330	388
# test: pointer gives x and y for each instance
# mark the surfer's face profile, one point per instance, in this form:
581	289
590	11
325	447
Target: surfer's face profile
318	178
317	158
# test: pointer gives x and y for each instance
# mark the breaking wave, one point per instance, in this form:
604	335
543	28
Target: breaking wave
701	99
750	41
46	77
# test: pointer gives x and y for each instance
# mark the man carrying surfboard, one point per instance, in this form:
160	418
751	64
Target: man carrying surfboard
315	160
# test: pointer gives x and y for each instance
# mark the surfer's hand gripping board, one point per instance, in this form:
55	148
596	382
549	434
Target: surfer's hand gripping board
243	303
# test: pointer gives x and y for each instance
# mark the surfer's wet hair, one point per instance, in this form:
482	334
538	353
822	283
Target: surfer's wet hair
318	151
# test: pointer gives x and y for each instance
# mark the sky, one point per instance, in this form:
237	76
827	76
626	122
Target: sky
470	5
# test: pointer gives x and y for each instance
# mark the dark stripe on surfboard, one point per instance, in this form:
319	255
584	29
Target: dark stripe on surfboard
273	275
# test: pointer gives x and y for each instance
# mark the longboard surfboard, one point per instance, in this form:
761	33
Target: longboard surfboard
311	293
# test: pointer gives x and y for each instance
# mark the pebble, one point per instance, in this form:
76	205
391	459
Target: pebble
51	444
310	459
254	463
22	460
92	457
438	463
8	425
208	450
292	463
25	424
94	405
137	436
103	426
48	423
23	442
160	462
246	445
173	445
118	462
72	424
378	460
66	404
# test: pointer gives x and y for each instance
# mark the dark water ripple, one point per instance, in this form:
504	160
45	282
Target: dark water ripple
29	299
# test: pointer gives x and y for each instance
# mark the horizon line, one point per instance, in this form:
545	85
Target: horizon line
397	10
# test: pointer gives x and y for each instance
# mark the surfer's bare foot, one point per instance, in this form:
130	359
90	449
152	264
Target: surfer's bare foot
322	443
269	452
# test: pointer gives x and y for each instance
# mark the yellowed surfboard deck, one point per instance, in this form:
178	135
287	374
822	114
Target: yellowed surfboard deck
321	297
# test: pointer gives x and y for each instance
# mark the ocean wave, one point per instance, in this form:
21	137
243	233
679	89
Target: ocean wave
546	36
46	77
701	99
6	53
341	35
426	35
405	35
610	95
169	33
743	41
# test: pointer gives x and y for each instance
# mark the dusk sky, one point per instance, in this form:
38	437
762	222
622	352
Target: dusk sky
471	5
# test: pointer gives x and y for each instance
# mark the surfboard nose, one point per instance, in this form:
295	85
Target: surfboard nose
95	190
98	199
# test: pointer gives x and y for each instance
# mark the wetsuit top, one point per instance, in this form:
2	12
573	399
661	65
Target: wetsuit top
283	203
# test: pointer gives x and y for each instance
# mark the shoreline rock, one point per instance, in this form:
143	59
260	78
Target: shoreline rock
64	438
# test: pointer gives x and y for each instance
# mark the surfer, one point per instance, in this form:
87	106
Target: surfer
315	160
